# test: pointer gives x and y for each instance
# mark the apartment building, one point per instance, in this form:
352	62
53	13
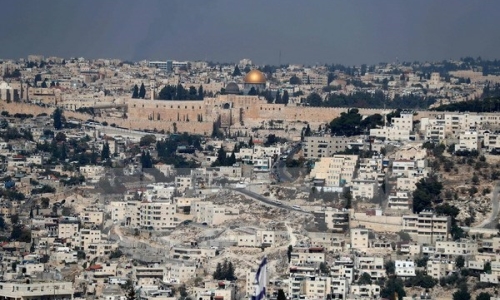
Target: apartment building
343	268
405	268
101	249
335	171
455	123
181	272
403	167
337	220
158	215
364	189
92	217
306	260
365	291
92	173
407	183
468	141
491	245
427	227
191	252
36	289
318	287
67	230
87	237
433	129
438	268
391	134
455	248
360	238
210	214
399	200
404	121
412	249
324	146
373	266
492	141
330	241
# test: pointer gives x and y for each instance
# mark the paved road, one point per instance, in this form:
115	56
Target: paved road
283	174
492	220
265	200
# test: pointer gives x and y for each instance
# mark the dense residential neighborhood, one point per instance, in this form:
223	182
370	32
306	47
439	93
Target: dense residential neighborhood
173	179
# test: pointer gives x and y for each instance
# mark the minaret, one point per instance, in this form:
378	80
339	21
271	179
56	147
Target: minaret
152	86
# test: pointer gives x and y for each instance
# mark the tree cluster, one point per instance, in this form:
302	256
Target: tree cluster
171	92
369	100
224	271
427	193
139	93
223	159
478	105
352	123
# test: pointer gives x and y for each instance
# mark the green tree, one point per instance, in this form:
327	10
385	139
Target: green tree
135	93
14	219
289	253
252	91
282	296
295	80
483	296
427	192
201	94
460	261
218	272
393	285
462	293
487	268
221	158
422	262
147	140
44	84
45	202
142	91
20	234
2	223
365	278
105	154
390	268
475	179
278	99
131	291
348	199
404	236
230	272
286	98
57	117
146	160
236	71
314	99
347	124
323	268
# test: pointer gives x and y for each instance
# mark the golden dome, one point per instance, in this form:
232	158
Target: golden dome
255	77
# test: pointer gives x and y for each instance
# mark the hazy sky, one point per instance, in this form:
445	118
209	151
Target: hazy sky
305	31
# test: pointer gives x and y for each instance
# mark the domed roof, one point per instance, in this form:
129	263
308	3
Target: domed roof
232	88
255	77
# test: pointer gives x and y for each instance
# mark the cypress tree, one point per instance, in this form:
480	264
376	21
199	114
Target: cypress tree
142	91
135	93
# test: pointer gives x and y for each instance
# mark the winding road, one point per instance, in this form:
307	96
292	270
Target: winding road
265	200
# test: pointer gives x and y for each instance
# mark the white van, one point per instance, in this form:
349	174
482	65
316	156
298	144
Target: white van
296	207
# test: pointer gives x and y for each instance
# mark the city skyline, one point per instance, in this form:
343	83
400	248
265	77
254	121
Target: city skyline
223	31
